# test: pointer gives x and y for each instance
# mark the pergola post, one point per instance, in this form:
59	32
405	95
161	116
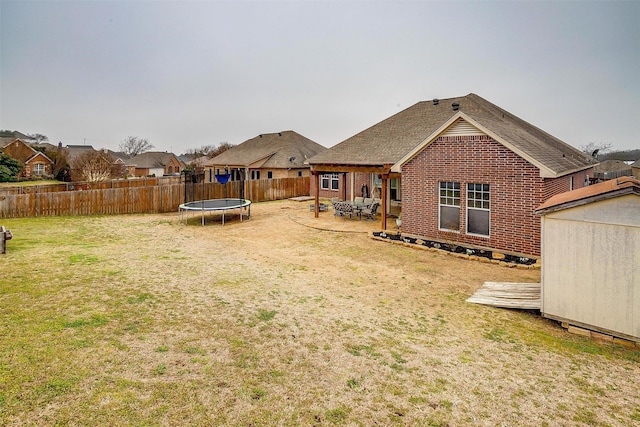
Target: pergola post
316	209
344	186
383	196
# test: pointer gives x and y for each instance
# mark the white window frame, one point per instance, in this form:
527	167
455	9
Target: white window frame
448	195
479	199
335	182
325	181
39	169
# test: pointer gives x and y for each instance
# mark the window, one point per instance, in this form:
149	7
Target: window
478	209
299	173
450	206
329	182
324	182
38	169
335	182
255	174
269	174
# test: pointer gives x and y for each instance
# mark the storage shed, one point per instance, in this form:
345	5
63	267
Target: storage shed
591	258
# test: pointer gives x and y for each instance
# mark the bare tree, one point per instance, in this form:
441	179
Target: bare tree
92	166
40	138
209	150
595	148
221	148
133	145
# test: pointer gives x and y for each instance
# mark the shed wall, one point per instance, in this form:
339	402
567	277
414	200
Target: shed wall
591	265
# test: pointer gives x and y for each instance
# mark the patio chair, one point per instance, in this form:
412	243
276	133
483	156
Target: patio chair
342	209
369	212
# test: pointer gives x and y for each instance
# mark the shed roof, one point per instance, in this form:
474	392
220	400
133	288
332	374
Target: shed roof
391	140
604	190
286	149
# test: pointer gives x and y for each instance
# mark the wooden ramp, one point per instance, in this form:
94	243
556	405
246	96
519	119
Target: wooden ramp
508	295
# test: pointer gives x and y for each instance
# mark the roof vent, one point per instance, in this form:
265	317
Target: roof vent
455	106
436	101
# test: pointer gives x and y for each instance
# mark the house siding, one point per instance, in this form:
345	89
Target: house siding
516	189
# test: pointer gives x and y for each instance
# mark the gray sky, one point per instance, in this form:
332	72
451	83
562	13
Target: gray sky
186	74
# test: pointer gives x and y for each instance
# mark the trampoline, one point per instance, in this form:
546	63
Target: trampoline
214	205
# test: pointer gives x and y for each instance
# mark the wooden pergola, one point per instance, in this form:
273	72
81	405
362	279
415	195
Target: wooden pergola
383	171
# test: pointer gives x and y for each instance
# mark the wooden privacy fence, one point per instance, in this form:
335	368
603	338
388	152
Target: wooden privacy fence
78	186
157	199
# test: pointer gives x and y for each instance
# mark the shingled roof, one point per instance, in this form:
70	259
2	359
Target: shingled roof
150	159
394	140
287	149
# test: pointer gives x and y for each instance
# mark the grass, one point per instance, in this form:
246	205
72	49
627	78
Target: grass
141	320
30	183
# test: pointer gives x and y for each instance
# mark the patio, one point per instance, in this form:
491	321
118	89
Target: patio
301	213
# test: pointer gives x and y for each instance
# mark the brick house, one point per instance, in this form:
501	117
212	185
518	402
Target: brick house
154	163
35	163
266	156
464	170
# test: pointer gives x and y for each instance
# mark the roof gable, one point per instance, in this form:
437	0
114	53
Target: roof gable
462	124
19	150
39	156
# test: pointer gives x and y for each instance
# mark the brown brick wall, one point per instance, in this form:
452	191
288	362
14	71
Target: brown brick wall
516	190
562	184
359	180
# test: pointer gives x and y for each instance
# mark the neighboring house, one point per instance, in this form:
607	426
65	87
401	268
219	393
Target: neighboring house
267	156
154	163
107	159
35	163
464	170
609	169
591	257
635	169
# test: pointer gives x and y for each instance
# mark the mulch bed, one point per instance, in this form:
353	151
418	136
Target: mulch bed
453	247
